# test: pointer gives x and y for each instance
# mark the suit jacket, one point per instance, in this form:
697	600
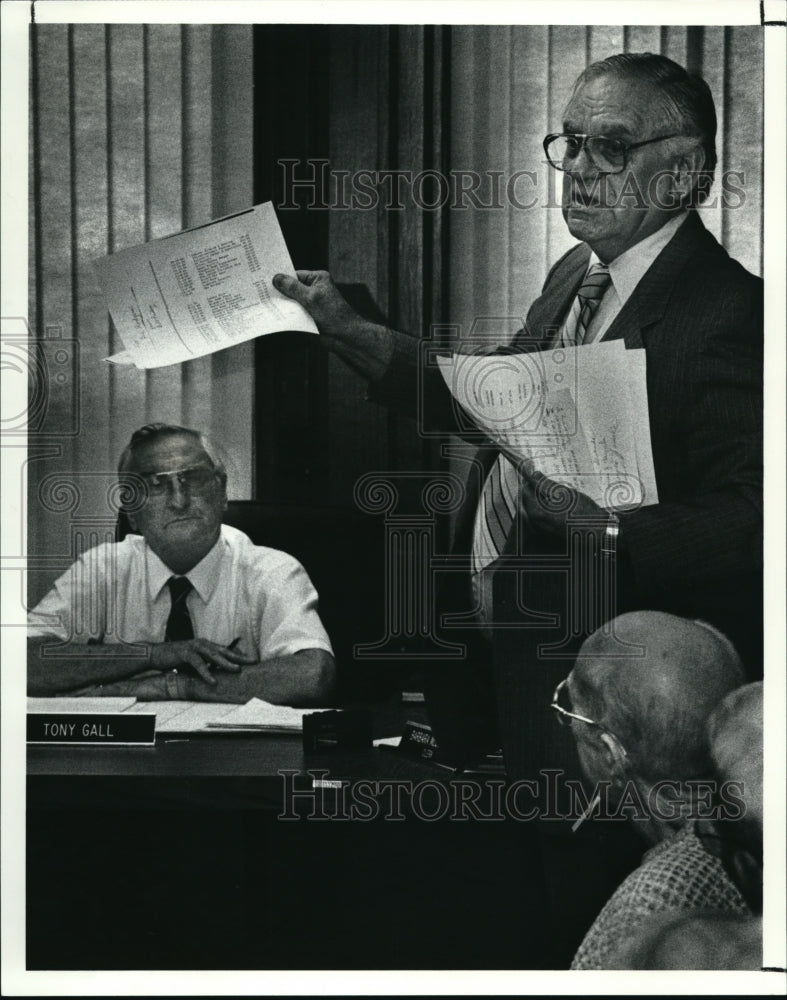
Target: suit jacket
698	315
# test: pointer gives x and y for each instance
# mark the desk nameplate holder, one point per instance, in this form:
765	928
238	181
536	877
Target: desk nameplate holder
418	743
92	728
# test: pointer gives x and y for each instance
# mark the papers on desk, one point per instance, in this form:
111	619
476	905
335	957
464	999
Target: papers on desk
262	715
203	716
197	292
578	415
101	706
185	716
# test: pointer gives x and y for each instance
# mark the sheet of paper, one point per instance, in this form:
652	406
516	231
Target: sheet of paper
80	704
184	716
578	415
259	714
200	291
638	391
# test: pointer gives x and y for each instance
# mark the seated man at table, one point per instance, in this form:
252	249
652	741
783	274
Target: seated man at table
187	608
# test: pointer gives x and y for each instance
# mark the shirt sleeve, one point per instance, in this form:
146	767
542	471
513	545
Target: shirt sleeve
288	620
74	610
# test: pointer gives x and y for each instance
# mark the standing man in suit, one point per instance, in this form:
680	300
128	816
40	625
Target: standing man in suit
637	155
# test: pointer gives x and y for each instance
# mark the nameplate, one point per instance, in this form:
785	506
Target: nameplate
116	728
419	743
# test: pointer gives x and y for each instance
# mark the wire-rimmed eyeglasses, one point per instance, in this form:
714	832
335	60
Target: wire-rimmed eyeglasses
565	716
194	480
607	154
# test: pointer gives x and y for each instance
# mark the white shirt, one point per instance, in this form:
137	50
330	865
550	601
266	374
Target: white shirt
118	592
625	273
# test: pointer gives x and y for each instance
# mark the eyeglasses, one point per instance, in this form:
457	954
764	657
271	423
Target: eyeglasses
195	480
566	717
607	155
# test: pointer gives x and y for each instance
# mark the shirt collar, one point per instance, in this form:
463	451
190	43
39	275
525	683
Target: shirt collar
204	576
627	269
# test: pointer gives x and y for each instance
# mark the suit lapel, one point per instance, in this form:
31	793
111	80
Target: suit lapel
649	300
545	315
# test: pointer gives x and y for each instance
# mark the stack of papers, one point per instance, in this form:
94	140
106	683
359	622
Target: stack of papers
578	415
197	292
201	716
262	715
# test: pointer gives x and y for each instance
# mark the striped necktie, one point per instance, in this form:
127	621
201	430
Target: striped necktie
496	513
497	509
584	306
179	625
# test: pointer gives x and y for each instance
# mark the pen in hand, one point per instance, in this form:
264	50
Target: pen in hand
234	643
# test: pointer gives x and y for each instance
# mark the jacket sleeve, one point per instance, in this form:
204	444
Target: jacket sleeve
711	525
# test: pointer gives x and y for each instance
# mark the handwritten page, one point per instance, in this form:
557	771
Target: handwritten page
578	415
640	424
197	292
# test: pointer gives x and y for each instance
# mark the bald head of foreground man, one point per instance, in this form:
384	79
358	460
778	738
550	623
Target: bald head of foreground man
643	688
640	695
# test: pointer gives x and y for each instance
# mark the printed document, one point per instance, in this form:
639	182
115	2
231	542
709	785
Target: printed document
578	415
197	292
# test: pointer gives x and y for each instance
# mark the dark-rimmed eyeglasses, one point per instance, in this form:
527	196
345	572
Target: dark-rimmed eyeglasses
194	480
566	717
607	154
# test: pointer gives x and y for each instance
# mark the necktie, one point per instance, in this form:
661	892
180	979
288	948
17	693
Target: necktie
497	508
584	306
179	625
496	513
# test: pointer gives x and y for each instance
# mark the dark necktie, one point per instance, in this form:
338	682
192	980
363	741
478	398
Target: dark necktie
179	625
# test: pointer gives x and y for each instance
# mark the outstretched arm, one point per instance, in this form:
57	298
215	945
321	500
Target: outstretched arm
388	358
365	346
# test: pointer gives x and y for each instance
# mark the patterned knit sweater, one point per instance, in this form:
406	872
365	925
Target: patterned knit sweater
677	874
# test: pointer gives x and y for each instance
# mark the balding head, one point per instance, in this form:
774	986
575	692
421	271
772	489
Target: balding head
653	679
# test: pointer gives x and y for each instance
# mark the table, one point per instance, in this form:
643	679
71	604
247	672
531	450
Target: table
175	857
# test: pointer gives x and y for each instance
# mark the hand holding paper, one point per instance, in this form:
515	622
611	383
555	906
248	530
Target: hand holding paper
576	415
200	291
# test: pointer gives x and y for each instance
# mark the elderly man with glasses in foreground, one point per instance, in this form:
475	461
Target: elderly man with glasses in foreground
186	609
639	719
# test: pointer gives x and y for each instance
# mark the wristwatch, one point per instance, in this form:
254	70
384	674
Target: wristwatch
609	540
